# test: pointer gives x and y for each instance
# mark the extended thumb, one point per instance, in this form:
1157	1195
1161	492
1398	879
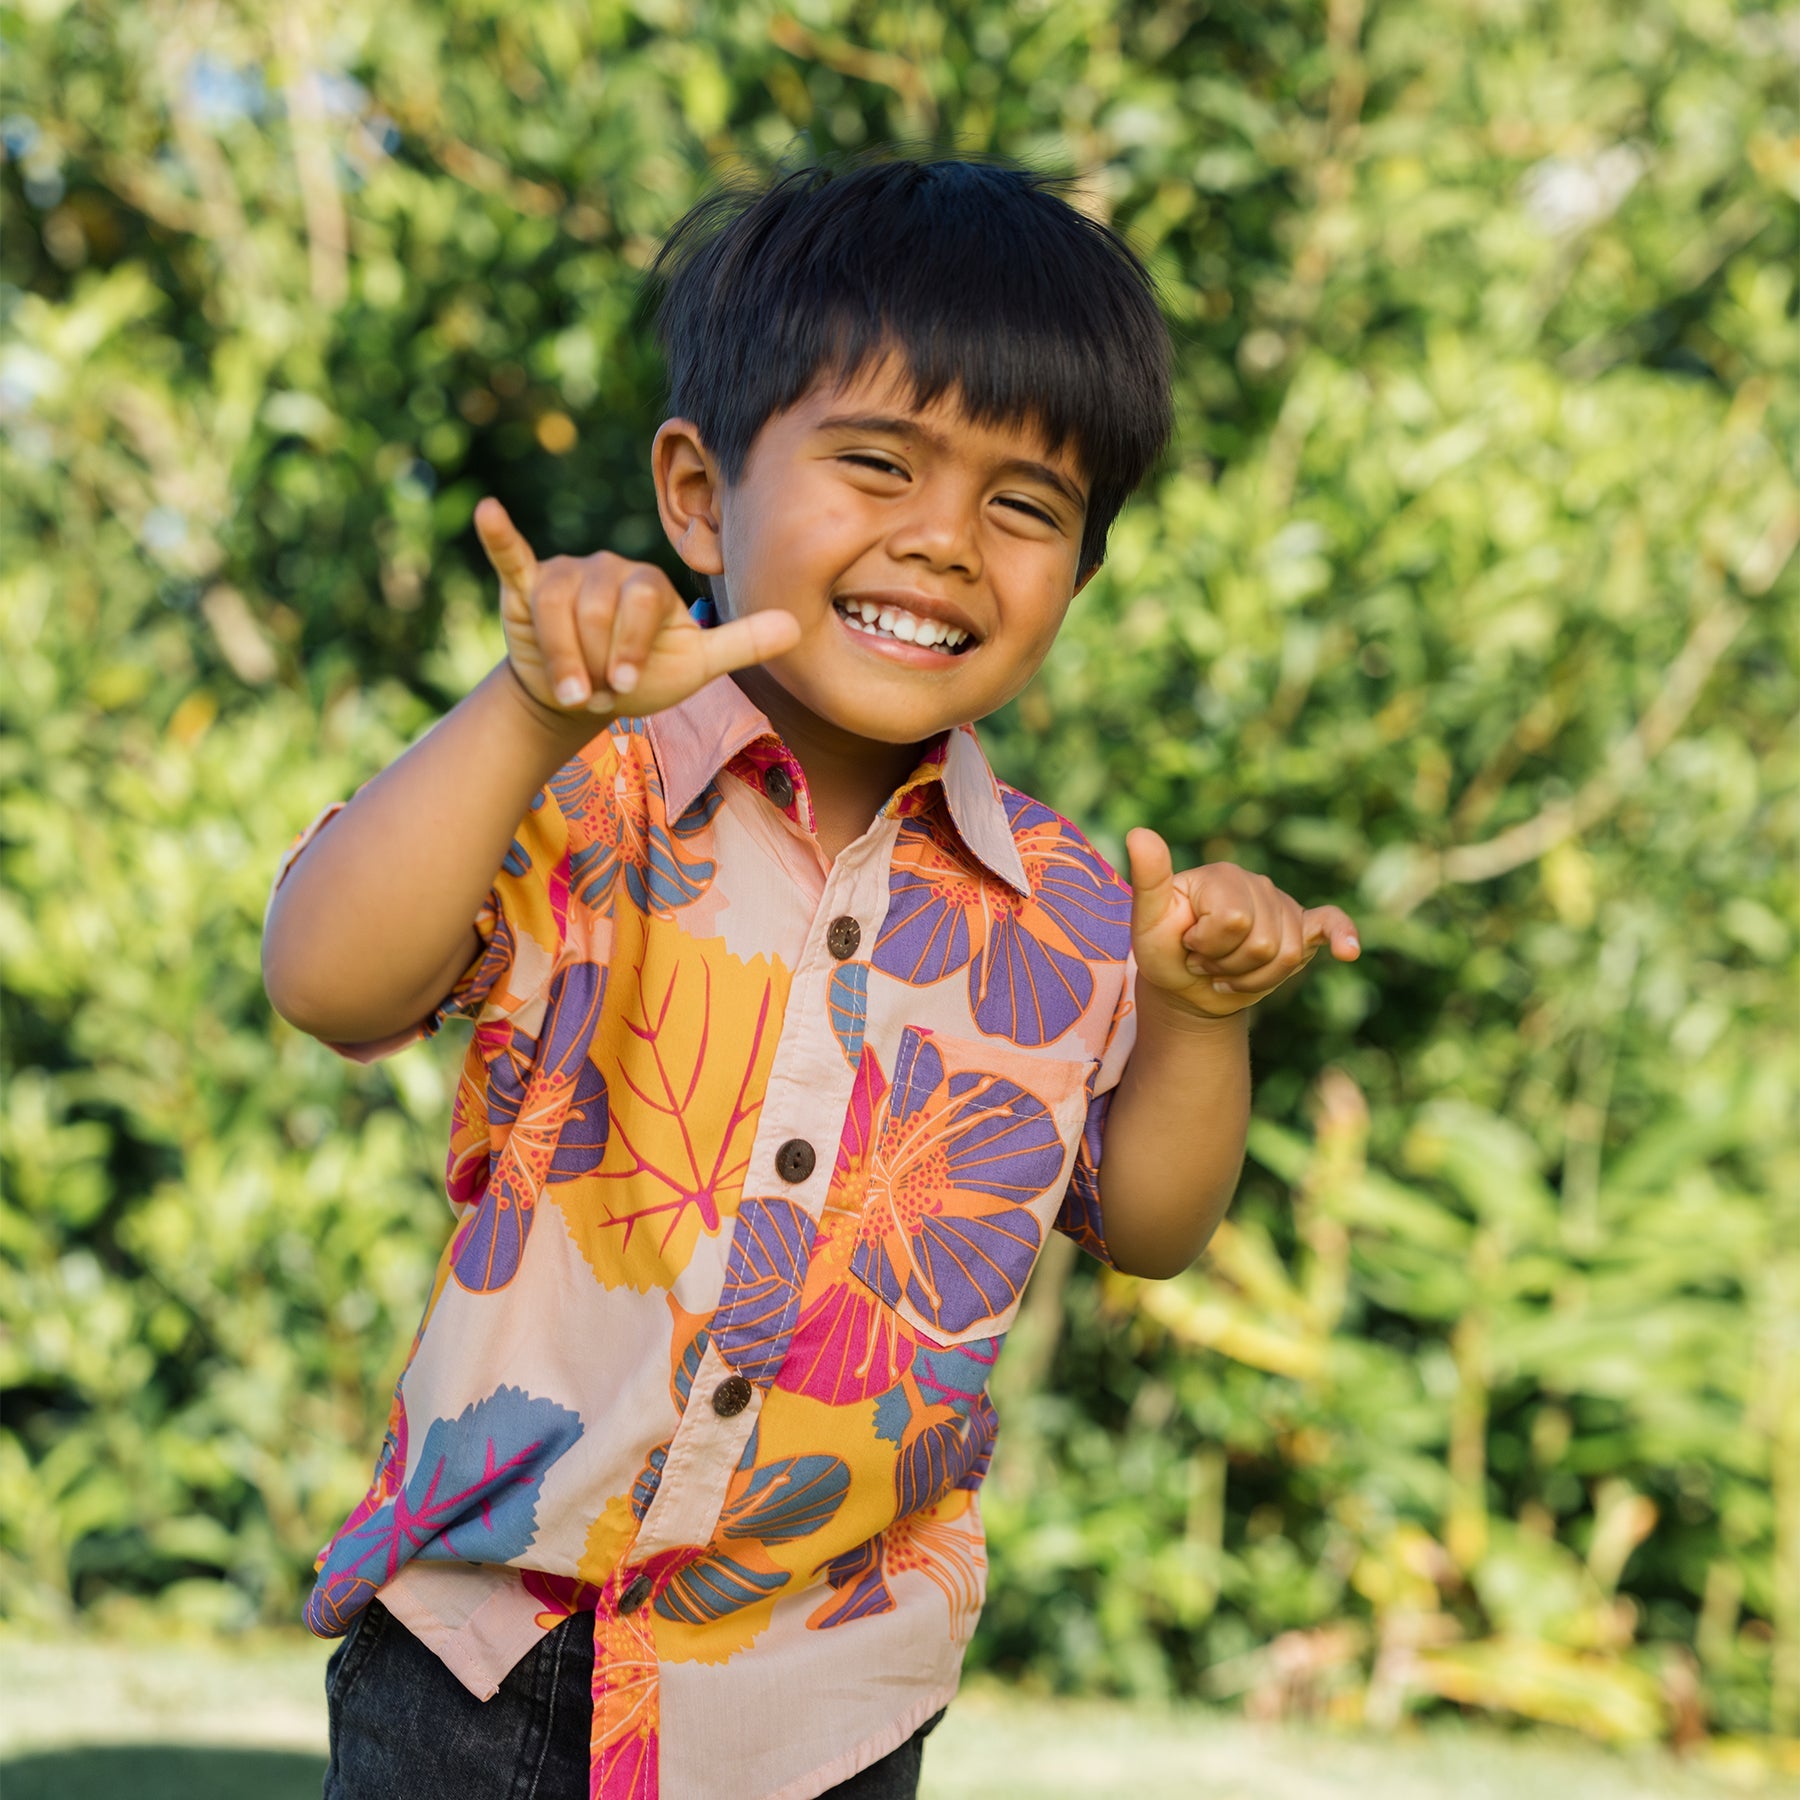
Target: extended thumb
753	638
1152	876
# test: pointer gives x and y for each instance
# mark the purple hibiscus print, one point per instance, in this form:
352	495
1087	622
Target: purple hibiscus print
1029	959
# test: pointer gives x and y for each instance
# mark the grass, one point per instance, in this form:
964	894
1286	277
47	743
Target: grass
81	1719
162	1772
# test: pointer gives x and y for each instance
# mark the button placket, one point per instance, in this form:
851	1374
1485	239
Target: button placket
810	1081
709	1440
809	1085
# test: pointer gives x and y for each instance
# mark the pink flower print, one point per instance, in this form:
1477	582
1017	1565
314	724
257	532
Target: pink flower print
920	790
856	1145
960	1160
559	1597
846	1345
471	1158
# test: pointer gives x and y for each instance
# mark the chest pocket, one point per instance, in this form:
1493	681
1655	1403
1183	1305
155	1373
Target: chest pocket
962	1153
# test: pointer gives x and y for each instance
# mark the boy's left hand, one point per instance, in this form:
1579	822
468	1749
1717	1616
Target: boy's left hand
1218	938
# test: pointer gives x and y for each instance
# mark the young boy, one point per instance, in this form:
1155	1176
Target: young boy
795	1030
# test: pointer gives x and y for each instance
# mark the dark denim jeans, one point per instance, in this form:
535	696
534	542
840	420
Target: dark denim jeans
404	1728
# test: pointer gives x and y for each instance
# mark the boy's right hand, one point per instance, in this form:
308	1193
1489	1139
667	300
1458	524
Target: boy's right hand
599	634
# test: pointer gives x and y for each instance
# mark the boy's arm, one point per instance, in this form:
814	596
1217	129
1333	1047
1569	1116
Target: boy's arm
1174	1137
374	922
1209	944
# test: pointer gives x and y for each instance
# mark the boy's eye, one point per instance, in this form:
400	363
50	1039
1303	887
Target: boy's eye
880	463
1030	511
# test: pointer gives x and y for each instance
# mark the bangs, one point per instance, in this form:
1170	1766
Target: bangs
982	280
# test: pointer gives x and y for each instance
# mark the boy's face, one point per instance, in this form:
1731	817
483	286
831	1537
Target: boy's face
929	558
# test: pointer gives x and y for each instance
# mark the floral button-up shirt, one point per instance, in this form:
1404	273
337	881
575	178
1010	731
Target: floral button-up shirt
751	1157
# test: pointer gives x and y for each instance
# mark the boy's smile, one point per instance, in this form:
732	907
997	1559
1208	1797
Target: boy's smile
929	557
930	629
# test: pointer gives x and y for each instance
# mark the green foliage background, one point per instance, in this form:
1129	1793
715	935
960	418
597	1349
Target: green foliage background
1466	597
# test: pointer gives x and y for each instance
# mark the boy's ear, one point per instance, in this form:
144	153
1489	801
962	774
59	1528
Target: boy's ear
688	491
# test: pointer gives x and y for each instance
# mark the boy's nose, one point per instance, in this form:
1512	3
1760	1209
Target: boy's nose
941	535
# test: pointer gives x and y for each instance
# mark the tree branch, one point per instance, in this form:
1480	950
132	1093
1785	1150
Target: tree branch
1631	756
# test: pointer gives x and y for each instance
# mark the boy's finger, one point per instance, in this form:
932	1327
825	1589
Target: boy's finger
646	596
1332	925
754	638
1229	951
1224	899
596	607
1152	871
1262	970
506	548
554	600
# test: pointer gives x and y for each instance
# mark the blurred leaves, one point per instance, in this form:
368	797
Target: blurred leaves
1644	1367
1466	597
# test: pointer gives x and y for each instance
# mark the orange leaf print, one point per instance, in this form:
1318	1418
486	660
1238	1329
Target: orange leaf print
685	1054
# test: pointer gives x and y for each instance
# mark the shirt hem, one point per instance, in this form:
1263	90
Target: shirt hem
472	1649
870	1750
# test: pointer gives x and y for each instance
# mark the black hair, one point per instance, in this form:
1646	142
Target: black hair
983	278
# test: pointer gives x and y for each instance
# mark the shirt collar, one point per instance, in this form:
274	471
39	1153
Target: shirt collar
692	742
976	809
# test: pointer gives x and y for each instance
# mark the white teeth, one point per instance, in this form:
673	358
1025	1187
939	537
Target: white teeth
907	628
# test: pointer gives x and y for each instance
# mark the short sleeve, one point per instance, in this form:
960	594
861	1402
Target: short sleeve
1080	1216
519	925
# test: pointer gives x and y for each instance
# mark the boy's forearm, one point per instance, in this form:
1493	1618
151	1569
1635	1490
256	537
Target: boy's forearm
1174	1140
374	922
